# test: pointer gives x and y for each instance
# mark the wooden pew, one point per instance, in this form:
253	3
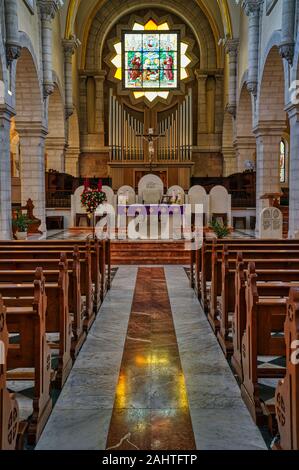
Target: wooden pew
27	318
270	278
226	286
265	316
100	259
81	289
9	410
287	391
58	318
203	270
221	281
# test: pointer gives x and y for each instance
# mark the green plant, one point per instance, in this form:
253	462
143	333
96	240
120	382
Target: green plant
220	229
21	222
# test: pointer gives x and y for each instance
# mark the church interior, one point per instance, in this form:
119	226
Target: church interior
149	225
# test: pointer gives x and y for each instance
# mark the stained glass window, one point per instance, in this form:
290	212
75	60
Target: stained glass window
150	60
282	161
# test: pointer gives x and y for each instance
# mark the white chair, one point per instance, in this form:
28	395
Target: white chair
126	193
221	204
109	195
177	192
197	195
150	189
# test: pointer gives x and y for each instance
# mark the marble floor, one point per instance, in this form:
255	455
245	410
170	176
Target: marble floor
151	375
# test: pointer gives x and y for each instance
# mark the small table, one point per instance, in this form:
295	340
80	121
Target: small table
54	222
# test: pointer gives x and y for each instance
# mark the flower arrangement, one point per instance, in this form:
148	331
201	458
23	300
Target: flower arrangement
91	198
220	229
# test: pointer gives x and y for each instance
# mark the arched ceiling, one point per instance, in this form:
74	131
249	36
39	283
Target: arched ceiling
223	15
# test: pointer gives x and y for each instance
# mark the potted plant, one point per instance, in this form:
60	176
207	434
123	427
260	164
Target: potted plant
221	230
21	223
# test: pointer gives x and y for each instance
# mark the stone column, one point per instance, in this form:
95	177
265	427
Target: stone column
69	46
72	161
13	47
245	148
229	161
268	137
55	149
99	121
202	104
219	103
5	173
231	48
48	9
83	103
253	10
287	46
32	142
293	113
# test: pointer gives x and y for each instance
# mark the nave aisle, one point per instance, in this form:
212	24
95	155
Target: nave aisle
157	383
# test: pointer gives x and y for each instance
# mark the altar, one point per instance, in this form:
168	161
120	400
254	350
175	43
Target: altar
153	200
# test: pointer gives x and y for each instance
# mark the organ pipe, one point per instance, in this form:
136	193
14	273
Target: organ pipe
125	131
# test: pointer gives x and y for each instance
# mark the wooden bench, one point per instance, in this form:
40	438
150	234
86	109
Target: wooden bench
81	288
225	287
222	266
287	391
58	319
269	280
100	259
9	410
262	337
203	259
26	317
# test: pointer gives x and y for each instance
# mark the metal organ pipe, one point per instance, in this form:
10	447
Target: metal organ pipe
190	122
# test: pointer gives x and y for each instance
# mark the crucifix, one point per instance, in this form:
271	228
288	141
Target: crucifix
151	138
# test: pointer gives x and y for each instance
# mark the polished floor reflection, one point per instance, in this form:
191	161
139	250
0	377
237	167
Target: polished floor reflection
151	408
150	362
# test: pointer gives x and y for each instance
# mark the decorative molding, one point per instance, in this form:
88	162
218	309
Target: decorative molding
13	52
252	7
48	8
143	20
287	51
232	47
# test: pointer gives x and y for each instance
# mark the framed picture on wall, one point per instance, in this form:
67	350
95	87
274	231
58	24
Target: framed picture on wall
30	5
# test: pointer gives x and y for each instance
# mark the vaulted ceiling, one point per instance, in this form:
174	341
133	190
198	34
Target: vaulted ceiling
223	15
77	16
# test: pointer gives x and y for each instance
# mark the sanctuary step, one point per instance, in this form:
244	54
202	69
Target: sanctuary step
150	253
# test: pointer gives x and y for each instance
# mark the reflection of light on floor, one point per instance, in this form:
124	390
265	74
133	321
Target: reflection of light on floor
151	360
183	392
120	396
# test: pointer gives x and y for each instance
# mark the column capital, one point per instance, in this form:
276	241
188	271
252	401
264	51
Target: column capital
252	7
70	45
49	8
201	74
292	110
231	109
269	128
287	51
31	129
232	46
100	75
6	112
